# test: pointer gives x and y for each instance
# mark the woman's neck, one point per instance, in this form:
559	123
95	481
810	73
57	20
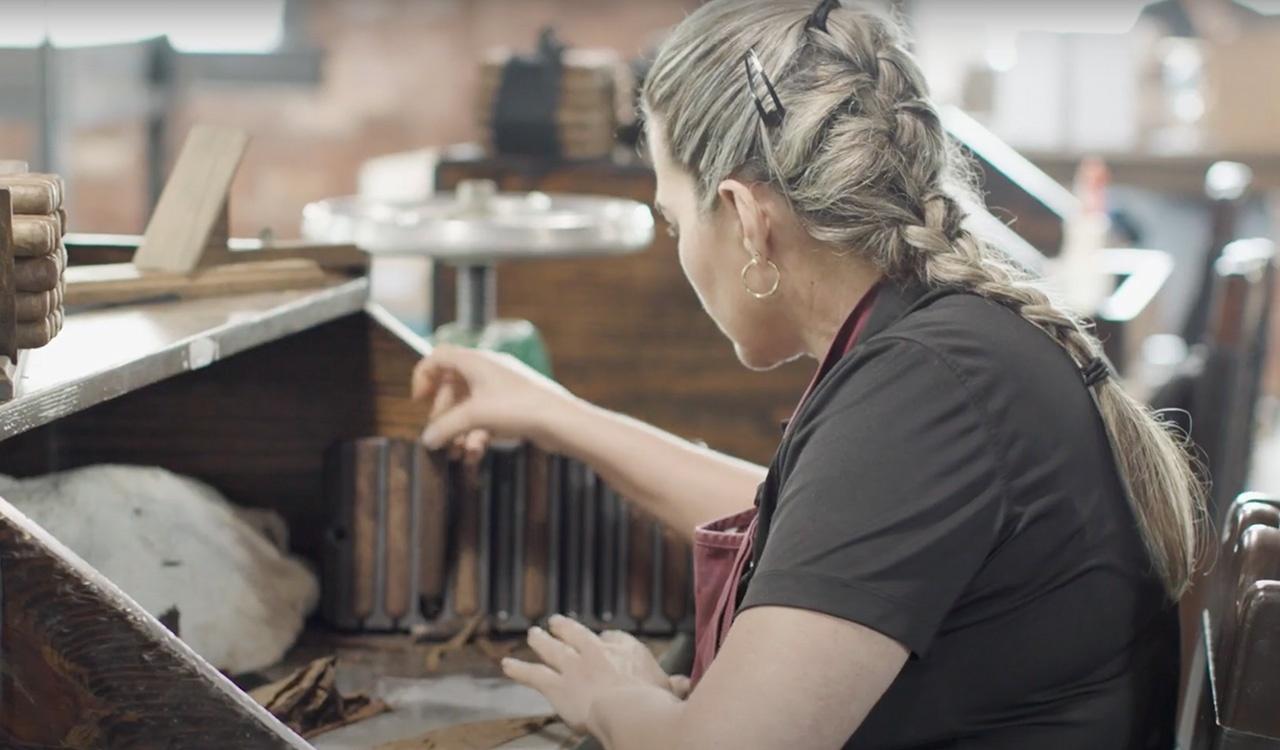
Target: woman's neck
833	287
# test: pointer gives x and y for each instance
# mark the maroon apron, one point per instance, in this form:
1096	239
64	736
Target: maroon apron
722	548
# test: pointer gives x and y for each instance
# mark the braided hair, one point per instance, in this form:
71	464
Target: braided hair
863	159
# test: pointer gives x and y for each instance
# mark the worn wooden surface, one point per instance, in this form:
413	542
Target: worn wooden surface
105	353
255	425
121	283
86	668
8	299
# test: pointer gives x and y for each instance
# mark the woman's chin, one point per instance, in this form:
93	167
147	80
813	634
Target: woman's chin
759	361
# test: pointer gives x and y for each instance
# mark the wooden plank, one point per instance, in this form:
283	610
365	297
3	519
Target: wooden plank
640	564
537	534
86	667
399	523
466	565
368	490
191	213
433	522
8	288
124	283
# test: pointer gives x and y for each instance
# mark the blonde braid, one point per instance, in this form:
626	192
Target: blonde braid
863	159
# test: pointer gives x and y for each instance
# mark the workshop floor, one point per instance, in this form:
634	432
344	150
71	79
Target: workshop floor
419	705
467	687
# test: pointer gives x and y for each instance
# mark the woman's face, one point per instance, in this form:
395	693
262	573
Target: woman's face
712	248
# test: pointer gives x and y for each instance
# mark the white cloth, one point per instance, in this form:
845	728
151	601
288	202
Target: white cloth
171	541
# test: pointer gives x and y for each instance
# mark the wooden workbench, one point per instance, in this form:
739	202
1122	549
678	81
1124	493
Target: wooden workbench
245	393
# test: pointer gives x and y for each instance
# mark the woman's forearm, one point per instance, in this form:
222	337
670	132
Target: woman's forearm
681	483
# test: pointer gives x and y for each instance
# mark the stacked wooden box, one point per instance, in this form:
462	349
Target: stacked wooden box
32	262
587	112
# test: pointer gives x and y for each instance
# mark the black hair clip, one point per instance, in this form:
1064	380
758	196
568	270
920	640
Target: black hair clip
1095	372
755	74
819	18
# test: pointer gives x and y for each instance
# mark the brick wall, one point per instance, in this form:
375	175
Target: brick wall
398	75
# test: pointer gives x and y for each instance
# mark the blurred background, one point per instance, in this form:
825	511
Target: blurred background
1171	107
1129	152
1160	115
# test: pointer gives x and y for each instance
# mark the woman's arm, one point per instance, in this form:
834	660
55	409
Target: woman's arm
683	484
474	393
812	693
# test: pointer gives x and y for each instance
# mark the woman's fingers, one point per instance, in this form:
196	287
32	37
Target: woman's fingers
554	652
537	676
619	638
575	634
425	378
450	424
474	445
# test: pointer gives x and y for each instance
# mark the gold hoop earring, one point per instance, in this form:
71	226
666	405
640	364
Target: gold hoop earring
777	277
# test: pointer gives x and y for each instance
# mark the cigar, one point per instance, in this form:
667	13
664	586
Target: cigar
31	307
36	235
32	275
34	194
36	335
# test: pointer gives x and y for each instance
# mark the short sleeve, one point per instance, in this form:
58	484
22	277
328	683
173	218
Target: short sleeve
891	499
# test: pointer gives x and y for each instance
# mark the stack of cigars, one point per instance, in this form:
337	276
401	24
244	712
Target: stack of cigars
39	256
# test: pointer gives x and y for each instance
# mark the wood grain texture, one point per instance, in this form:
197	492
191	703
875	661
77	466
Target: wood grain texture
87	668
537	533
122	283
8	291
191	214
640	566
433	524
628	333
364	527
466	541
256	425
399	551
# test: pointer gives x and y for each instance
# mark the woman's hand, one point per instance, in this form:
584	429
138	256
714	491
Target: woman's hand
475	395
578	665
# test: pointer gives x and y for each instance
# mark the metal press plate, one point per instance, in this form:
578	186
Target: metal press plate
514	226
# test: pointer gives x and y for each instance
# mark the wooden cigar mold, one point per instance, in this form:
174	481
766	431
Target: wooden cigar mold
420	543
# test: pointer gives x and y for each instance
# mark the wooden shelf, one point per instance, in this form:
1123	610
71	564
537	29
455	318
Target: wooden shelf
103	354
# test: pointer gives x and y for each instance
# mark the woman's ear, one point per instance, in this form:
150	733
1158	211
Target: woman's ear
747	214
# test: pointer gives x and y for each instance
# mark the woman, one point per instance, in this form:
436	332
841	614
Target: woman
970	536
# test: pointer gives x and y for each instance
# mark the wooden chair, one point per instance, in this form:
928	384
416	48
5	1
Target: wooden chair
1234	701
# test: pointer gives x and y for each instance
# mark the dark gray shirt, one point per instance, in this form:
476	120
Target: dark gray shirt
949	484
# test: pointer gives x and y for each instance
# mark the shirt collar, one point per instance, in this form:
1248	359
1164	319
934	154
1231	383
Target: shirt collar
853	328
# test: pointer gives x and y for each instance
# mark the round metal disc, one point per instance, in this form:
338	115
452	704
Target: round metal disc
508	226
